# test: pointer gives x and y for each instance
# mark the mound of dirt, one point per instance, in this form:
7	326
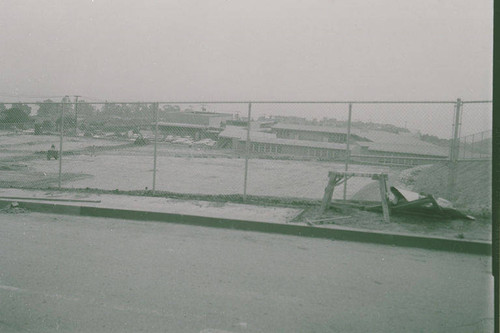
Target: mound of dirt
12	166
473	184
472	192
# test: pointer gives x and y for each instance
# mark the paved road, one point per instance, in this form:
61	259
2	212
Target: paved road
83	274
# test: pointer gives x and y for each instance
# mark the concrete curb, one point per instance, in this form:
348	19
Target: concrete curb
344	234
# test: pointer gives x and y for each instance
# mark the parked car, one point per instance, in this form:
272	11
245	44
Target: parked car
205	142
169	138
183	141
141	141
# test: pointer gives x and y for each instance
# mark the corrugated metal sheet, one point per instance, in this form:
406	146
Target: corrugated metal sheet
299	143
161	123
262	137
310	128
402	148
241	133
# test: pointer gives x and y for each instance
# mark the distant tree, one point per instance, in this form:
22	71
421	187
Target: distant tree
111	110
14	115
85	110
170	108
143	111
47	125
69	122
2	108
48	109
23	107
67	105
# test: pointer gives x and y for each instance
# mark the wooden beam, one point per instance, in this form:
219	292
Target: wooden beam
325	221
327	197
383	196
357	174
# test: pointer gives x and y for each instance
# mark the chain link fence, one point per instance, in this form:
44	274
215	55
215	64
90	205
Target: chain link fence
238	149
476	146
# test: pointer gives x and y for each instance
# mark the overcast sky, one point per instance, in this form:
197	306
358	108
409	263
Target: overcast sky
242	50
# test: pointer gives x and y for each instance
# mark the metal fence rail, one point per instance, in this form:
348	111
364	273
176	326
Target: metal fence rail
260	148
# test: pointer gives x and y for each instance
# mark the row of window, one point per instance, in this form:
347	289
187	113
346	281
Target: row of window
286	134
401	161
265	148
272	148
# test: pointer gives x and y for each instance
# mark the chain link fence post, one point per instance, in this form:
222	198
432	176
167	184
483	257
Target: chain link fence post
482	140
454	151
348	152
472	147
247	152
155	106
76	115
61	144
465	147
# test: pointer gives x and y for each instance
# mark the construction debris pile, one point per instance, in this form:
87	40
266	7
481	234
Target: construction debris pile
412	203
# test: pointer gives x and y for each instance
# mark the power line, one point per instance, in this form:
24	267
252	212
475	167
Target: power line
27	96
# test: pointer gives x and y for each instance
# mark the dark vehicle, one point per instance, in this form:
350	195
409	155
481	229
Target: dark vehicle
52	152
141	141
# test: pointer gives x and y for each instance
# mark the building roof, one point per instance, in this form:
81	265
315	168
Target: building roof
385	142
400	143
203	113
371	135
379	140
404	148
387	137
310	128
162	123
262	137
241	133
299	143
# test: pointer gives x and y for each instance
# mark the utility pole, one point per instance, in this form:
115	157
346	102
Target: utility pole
76	115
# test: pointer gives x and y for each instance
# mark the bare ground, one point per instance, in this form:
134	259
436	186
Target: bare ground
218	172
346	216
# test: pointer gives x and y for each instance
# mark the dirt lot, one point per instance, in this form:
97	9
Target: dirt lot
30	144
185	170
179	169
473	184
346	216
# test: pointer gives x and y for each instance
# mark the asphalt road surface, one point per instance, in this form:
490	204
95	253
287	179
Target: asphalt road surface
83	274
